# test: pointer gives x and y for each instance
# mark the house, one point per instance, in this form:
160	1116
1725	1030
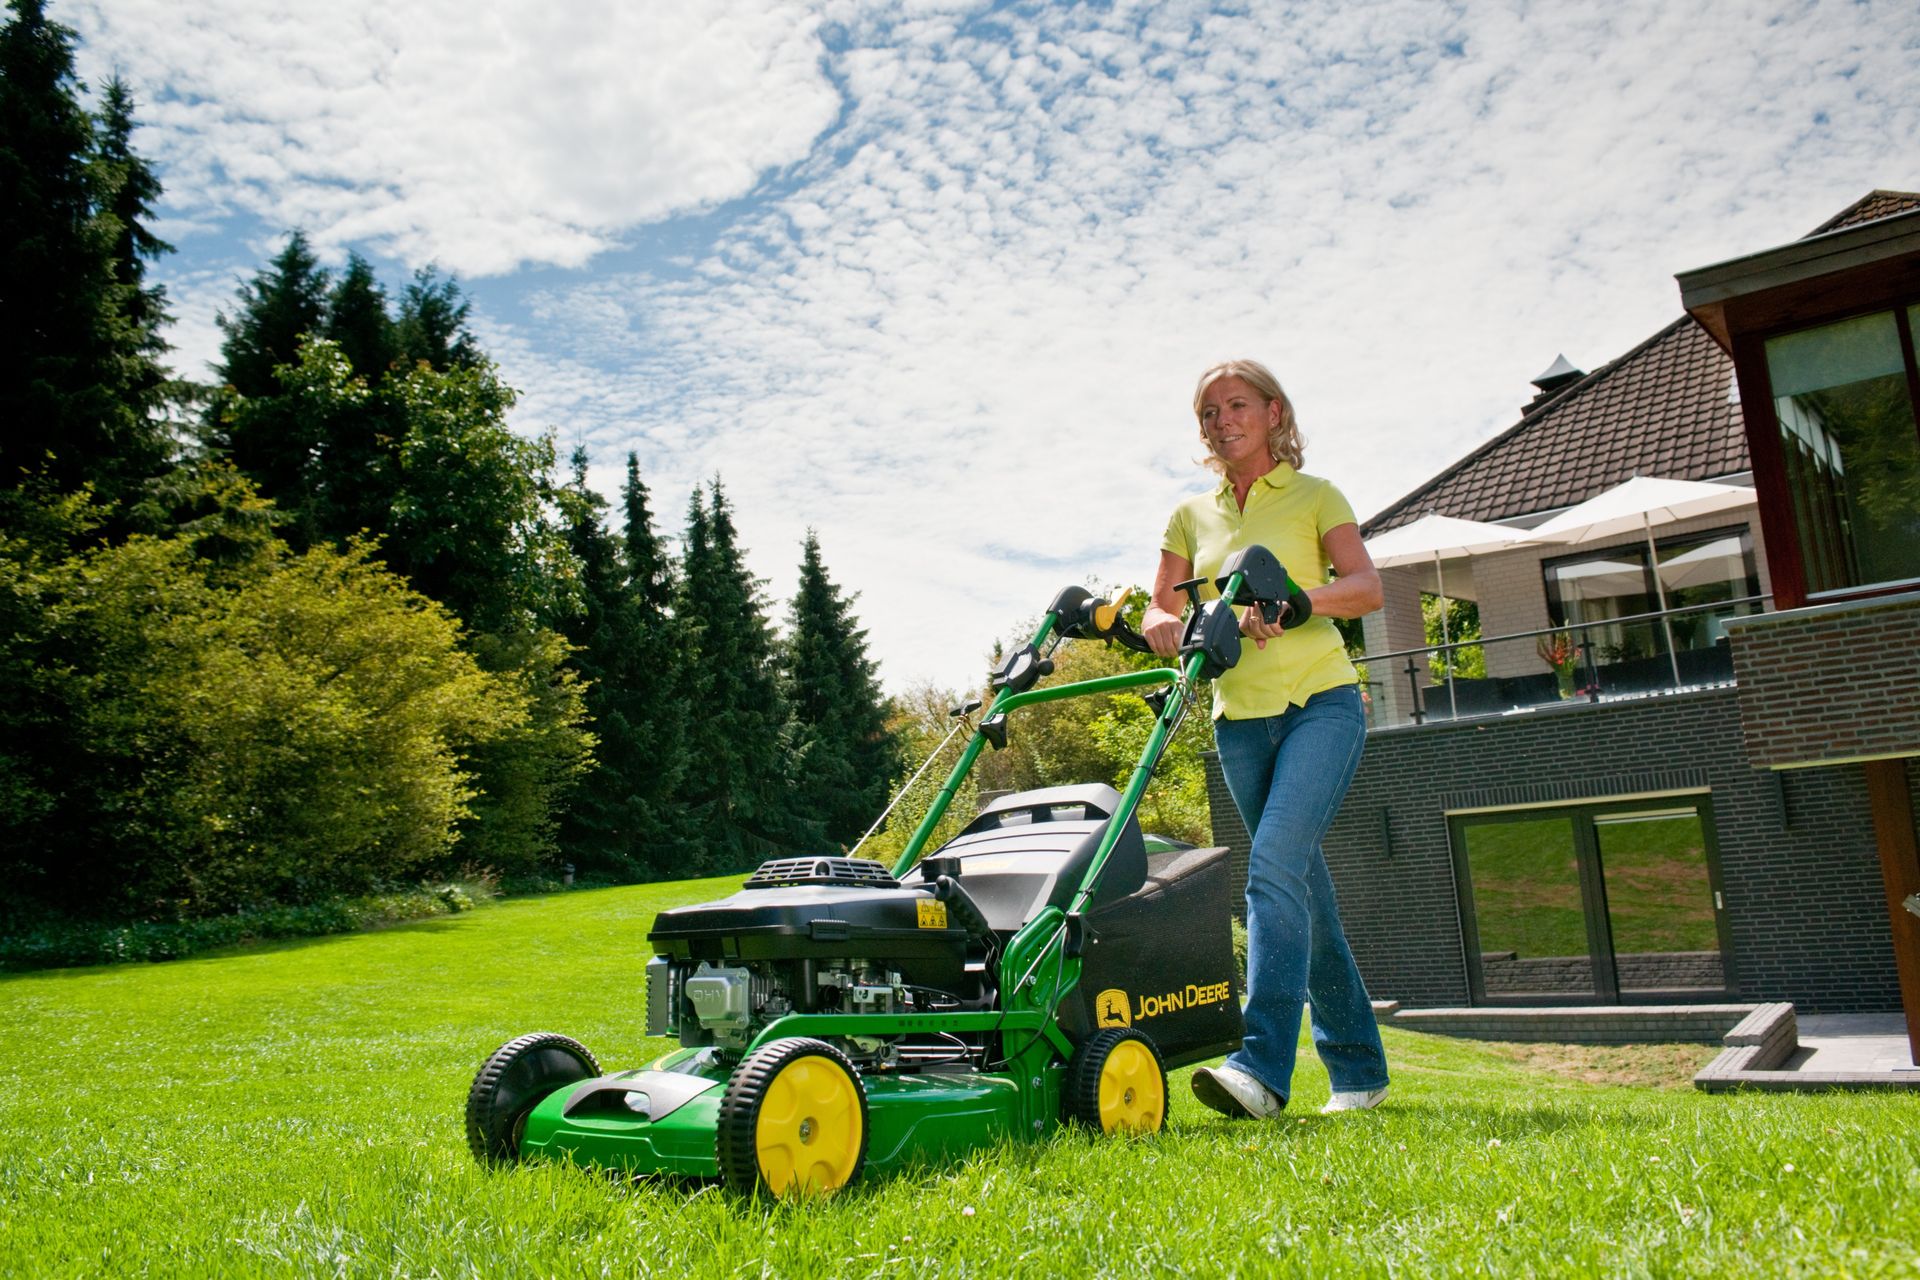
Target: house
1672	765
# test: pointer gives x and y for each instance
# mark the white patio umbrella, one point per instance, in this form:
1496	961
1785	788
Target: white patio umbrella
1436	537
1635	506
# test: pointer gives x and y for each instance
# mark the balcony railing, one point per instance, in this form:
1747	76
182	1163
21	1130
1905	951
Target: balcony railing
1638	656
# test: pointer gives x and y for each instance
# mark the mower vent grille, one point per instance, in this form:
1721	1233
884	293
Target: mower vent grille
844	871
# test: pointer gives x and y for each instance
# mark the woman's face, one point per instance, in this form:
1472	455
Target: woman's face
1235	421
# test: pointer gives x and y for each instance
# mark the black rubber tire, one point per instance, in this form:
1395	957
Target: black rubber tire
512	1082
1081	1099
734	1139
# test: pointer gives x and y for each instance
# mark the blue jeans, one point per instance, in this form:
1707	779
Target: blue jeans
1288	774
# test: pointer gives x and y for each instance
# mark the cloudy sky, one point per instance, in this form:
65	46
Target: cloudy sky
934	277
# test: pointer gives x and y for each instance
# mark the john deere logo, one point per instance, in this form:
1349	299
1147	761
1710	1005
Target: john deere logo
1111	1009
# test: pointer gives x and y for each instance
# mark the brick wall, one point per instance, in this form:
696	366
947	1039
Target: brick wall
1799	868
1833	682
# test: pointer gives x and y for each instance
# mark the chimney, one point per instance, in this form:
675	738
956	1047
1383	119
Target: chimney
1559	375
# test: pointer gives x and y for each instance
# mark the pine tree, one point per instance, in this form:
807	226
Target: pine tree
735	780
359	448
357	320
77	372
255	420
624	819
128	188
842	757
282	304
648	571
432	325
656	683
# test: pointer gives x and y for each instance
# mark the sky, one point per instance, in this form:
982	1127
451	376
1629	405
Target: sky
934	278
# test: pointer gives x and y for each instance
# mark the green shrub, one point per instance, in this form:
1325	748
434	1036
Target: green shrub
57	942
287	729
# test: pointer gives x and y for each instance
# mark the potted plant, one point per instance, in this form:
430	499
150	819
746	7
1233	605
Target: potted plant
1563	655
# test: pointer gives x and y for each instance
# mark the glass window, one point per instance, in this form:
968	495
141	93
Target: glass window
1528	908
1696	571
1660	907
1852	456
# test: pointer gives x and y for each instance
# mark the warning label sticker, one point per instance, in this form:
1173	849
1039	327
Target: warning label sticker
933	913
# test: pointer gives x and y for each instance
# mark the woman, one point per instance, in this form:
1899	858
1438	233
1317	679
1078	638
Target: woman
1289	727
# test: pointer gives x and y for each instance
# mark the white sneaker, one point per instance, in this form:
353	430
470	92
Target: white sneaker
1232	1092
1355	1100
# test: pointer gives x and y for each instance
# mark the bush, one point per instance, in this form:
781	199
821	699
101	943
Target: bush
288	729
61	942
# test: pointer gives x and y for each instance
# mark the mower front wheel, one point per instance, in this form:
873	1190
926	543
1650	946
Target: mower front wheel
1116	1083
793	1120
512	1082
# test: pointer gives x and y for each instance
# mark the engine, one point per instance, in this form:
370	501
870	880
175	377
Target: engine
813	935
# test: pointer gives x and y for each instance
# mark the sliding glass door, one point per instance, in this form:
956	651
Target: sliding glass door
1596	903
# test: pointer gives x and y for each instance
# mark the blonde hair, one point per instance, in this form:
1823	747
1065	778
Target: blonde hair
1284	441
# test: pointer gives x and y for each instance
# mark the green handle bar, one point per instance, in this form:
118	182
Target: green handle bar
1136	785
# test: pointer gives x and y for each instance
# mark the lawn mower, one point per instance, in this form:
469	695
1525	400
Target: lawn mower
836	1016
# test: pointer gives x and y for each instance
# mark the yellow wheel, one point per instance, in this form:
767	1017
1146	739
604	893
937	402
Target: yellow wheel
793	1120
1116	1083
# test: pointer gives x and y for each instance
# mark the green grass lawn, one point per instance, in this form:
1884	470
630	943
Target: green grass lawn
296	1109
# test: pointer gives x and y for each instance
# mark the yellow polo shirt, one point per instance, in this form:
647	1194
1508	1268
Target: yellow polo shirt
1288	514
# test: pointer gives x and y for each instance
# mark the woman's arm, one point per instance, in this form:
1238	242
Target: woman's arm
1358	591
1161	623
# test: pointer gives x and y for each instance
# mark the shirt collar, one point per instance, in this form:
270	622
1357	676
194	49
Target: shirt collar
1279	478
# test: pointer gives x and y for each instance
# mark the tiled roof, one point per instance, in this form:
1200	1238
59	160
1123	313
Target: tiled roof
1873	205
1663	409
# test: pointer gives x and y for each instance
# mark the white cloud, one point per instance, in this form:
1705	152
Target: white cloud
482	137
959	335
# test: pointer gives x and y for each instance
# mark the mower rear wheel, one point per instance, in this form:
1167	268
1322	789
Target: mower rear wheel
1116	1083
793	1120
512	1082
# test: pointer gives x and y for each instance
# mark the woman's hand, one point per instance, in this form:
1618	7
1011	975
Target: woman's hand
1255	627
1162	630
1161	624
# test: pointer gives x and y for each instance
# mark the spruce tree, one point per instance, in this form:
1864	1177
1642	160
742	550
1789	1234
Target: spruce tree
127	189
842	757
355	487
735	783
77	373
432	325
358	322
254	420
656	683
648	570
283	303
624	819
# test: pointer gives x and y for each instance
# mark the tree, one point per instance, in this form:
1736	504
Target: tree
841	755
735	781
127	190
624	819
77	344
470	525
433	323
274	443
358	323
283	303
649	572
